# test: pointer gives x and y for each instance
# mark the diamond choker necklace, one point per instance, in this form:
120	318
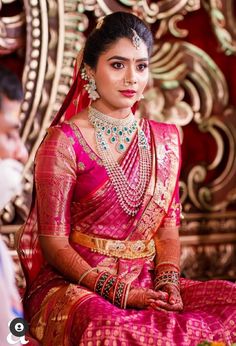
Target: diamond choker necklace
119	132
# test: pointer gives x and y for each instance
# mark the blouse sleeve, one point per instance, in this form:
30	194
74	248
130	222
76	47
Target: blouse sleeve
167	240
55	178
172	218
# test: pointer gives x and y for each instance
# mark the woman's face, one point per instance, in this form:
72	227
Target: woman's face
121	76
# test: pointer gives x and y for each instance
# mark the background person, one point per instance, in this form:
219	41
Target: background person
13	155
101	246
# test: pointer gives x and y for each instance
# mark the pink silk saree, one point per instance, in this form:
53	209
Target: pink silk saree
74	192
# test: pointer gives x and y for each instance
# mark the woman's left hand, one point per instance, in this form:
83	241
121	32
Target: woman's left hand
174	302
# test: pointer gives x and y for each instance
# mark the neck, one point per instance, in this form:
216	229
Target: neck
120	113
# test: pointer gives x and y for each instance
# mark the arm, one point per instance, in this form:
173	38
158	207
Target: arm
55	178
167	244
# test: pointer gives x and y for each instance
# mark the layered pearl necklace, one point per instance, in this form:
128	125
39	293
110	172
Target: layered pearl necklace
119	133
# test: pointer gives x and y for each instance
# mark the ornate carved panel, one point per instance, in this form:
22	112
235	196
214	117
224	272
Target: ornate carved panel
186	87
12	27
222	15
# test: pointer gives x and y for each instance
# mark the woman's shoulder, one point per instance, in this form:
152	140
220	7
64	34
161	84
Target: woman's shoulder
59	136
57	132
162	126
58	143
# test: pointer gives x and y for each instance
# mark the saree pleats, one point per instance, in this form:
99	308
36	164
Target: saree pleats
79	317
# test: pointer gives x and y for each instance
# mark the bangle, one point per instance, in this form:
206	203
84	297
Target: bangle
167	277
86	273
128	286
169	264
110	282
119	293
101	279
107	283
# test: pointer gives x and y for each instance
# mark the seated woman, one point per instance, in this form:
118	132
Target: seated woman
101	247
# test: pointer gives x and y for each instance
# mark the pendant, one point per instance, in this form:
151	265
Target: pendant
120	147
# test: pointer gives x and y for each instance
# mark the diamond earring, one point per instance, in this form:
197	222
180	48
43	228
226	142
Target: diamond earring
92	89
90	86
84	74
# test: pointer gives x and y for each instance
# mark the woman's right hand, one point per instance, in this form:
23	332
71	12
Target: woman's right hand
143	298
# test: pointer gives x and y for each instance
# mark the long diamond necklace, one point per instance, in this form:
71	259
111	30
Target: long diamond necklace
119	132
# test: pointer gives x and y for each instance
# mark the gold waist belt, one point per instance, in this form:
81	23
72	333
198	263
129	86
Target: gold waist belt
115	248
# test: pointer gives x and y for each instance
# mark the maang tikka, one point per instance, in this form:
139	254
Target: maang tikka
136	39
90	86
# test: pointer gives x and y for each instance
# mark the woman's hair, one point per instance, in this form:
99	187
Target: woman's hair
114	27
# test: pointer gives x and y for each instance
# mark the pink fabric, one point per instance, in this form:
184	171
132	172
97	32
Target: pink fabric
205	317
70	314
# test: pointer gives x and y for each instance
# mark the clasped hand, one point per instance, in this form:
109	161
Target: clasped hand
167	299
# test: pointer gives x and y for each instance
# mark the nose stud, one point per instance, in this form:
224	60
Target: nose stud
129	82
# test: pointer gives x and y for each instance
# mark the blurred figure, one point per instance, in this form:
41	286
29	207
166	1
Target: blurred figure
13	155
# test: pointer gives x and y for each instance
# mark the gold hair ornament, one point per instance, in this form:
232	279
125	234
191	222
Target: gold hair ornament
100	22
136	40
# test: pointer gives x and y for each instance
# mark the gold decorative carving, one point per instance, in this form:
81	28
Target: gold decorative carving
12	33
222	15
167	12
202	261
153	11
180	71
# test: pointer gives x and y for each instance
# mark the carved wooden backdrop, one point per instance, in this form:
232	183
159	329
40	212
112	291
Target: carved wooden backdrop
186	87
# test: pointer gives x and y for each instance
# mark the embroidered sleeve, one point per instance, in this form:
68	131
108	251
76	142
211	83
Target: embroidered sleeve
172	218
167	239
55	178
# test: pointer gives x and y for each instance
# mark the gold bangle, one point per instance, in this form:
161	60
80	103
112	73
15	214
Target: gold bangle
168	264
126	295
86	273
